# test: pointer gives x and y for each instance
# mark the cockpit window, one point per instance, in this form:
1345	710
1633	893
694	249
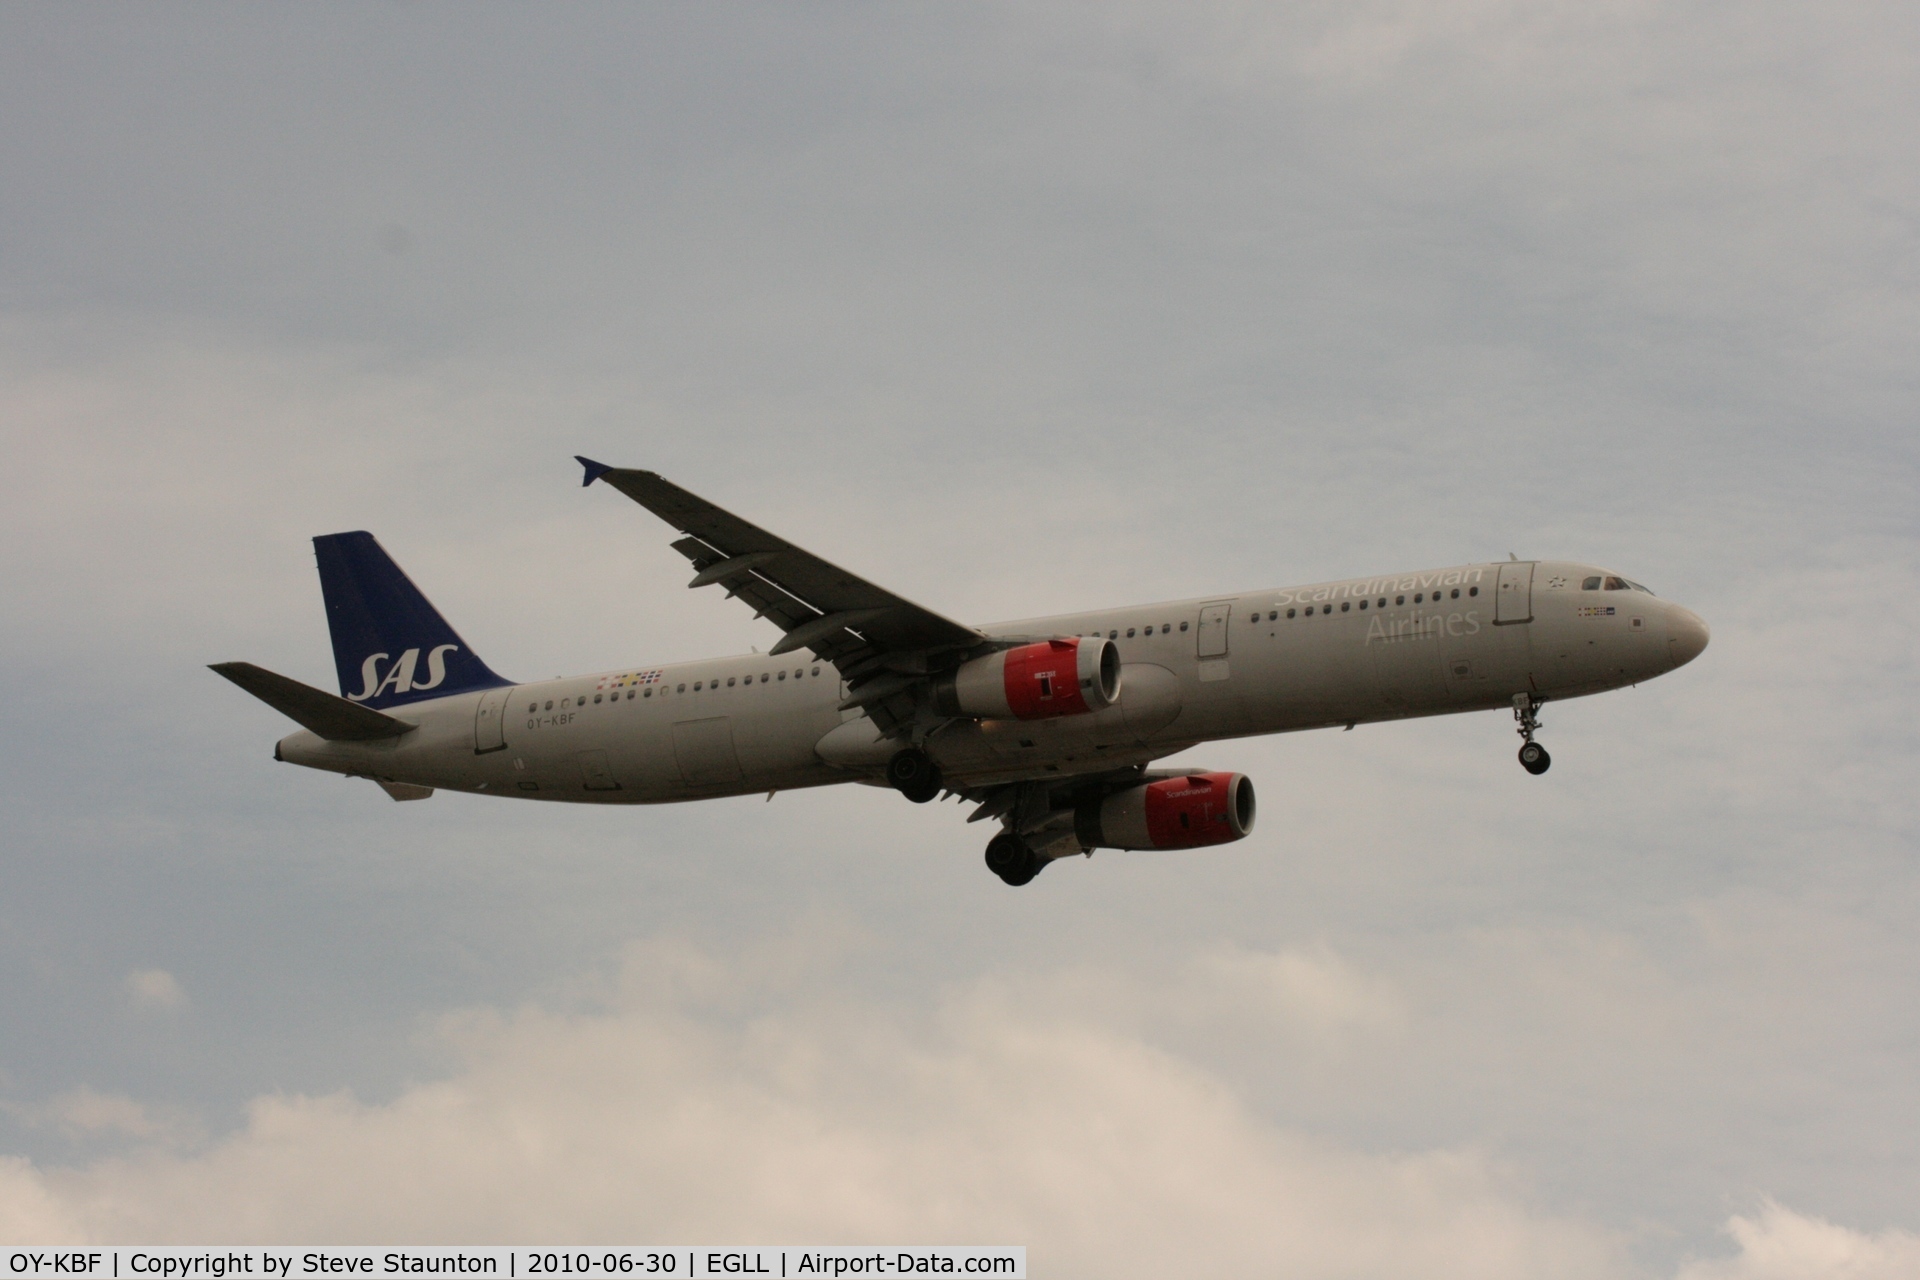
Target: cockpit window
1637	587
1591	584
1616	584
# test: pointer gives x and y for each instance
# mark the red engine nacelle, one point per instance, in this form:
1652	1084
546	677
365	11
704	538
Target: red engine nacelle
1173	813
1035	681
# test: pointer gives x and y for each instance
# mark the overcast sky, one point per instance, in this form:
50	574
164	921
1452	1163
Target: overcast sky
1015	310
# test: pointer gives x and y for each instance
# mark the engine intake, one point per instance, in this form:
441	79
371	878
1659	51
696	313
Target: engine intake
1067	677
1173	813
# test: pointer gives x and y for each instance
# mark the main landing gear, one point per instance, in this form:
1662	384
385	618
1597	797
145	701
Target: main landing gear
1533	757
1009	858
914	775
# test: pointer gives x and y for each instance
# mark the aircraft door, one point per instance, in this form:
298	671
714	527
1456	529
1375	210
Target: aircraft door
704	751
490	721
1213	630
1513	598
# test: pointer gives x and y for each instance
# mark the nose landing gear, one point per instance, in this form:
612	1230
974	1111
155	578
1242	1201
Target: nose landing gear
914	775
1533	757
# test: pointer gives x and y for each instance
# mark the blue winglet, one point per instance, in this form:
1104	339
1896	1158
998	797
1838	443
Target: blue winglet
594	469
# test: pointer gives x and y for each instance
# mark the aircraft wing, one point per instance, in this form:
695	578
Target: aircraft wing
878	640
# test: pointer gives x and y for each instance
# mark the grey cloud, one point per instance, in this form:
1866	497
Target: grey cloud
1015	310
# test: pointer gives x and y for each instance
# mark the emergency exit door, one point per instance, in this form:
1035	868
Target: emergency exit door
1213	630
1212	641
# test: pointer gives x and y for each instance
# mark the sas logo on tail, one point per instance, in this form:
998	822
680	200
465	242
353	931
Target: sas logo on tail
399	677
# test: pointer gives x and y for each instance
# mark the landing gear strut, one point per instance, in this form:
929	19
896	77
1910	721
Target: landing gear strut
1533	757
914	775
1009	858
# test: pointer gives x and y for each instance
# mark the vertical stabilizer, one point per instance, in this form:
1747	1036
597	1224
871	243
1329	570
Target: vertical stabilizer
390	645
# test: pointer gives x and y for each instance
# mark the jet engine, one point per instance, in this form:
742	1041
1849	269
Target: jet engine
1067	677
1183	812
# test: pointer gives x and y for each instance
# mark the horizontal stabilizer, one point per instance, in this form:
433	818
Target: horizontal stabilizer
331	717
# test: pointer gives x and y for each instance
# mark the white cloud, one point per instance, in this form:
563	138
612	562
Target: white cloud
86	1111
701	1099
680	1108
31	1211
1779	1244
155	991
1315	991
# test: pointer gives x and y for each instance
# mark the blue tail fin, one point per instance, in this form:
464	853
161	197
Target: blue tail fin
391	647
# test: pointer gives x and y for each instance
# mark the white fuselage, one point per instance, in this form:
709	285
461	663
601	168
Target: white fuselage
1461	639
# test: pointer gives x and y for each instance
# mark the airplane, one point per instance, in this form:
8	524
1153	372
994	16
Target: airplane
1049	726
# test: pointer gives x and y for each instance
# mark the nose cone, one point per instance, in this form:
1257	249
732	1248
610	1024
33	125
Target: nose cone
1686	635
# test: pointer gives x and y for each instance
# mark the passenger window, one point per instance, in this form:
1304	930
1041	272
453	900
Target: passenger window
1363	605
696	686
532	707
629	695
549	704
1273	615
729	682
1473	591
682	688
596	699
1130	631
783	675
816	671
1616	584
1114	634
645	693
1590	584
1383	602
1456	593
1289	613
1183	626
1417	597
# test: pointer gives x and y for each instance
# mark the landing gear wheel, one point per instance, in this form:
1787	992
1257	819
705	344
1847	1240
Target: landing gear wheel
1009	858
914	775
1533	757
